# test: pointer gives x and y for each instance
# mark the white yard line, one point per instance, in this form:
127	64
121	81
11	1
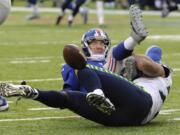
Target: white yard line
168	111
42	109
39	118
177	119
122	12
176	69
29	61
164	37
33	80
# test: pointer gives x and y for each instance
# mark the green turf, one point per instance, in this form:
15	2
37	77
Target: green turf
40	40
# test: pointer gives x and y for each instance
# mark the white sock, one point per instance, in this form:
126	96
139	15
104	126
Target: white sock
70	18
178	5
61	13
130	43
98	92
35	10
100	12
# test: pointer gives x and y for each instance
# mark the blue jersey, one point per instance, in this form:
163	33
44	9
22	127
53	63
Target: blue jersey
70	79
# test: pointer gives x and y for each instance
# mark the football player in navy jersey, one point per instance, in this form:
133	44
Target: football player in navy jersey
75	8
99	94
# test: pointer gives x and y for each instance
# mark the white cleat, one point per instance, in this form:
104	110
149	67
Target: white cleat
99	101
9	90
138	32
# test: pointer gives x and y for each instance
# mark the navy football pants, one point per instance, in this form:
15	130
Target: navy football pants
131	102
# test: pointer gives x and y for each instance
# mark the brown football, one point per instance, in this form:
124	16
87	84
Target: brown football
73	56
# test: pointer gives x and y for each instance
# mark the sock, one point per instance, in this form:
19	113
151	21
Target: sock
35	10
130	43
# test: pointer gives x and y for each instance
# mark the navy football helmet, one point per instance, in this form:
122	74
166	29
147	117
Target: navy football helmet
95	34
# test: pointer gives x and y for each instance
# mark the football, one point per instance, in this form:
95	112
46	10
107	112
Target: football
73	56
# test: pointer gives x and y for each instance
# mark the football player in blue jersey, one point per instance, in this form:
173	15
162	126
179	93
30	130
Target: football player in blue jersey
5	7
100	95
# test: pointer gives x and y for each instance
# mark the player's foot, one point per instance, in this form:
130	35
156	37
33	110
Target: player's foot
3	104
155	53
70	20
138	32
9	90
32	17
98	100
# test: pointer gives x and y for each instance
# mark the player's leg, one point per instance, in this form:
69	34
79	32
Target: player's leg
73	100
63	7
122	93
75	11
35	10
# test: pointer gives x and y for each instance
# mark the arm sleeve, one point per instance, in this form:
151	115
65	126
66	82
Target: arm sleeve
70	79
120	52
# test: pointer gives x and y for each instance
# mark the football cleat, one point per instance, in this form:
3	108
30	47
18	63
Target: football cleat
3	104
138	30
100	102
9	90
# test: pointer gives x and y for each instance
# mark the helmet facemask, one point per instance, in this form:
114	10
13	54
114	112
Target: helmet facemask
95	34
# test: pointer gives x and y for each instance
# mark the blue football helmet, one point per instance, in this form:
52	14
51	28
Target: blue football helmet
95	34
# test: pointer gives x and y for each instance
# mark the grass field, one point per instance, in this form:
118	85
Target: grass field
32	50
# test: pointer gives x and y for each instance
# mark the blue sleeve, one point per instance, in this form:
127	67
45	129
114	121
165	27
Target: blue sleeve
120	52
70	79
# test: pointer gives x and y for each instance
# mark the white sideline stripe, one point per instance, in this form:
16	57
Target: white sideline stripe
48	79
165	37
38	118
177	119
176	69
152	37
10	102
33	80
168	111
122	12
29	61
39	109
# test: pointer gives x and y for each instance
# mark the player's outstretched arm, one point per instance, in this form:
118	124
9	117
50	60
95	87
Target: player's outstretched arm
148	66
